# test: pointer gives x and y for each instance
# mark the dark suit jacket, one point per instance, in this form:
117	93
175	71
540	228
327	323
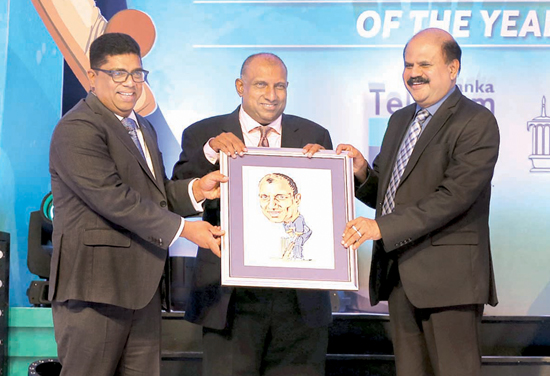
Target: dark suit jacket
112	227
439	231
209	301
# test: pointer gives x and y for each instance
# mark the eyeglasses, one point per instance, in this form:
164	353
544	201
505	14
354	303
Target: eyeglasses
120	76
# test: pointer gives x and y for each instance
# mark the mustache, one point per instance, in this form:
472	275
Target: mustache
417	80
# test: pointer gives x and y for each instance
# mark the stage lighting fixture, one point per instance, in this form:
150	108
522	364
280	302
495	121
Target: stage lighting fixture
40	250
46	208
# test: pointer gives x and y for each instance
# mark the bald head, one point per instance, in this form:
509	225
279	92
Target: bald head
449	47
266	58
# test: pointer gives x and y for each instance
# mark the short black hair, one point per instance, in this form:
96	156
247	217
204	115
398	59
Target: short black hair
270	178
452	51
261	54
112	44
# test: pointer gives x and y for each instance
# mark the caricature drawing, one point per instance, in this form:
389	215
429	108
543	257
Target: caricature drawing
279	201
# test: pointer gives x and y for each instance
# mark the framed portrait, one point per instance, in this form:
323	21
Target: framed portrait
284	215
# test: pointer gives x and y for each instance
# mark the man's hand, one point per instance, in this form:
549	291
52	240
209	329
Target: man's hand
311	149
229	144
359	162
359	230
204	235
208	187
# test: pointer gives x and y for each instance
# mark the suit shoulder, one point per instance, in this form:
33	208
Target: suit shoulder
208	125
405	111
79	110
80	115
302	122
474	107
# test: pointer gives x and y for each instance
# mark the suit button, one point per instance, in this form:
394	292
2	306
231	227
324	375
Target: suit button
163	204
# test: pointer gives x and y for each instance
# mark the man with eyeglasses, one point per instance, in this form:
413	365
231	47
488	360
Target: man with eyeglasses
113	222
280	202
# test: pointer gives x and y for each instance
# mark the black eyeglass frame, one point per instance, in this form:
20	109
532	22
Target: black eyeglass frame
119	81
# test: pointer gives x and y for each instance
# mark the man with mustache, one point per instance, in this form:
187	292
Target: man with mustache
253	331
431	187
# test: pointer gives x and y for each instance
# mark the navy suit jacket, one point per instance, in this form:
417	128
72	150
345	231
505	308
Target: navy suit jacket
209	301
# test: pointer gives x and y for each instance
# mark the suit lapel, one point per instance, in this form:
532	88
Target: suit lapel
438	121
153	152
394	143
233	125
290	135
115	125
121	133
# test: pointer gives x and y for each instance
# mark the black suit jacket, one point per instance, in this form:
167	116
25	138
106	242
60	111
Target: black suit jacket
209	301
112	226
439	231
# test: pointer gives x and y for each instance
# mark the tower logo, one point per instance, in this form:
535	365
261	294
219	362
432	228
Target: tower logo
540	132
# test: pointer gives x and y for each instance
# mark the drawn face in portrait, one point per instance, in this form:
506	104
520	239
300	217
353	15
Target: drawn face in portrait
278	200
291	230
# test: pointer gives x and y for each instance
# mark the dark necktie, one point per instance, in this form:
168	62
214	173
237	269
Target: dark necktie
403	158
131	127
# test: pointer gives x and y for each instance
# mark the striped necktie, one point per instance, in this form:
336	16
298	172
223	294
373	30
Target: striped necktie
131	127
402	159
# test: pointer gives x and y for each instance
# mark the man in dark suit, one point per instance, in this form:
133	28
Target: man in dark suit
431	186
253	331
112	226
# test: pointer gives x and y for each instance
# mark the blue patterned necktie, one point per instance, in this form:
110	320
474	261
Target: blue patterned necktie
402	159
131	127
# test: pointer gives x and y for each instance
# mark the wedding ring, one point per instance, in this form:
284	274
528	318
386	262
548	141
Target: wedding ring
357	231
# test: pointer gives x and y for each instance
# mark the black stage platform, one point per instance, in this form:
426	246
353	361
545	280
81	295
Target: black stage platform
360	344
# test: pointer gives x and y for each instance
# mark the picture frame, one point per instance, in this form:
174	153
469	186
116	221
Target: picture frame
284	214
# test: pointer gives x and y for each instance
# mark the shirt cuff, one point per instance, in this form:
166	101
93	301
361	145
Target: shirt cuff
196	205
209	153
182	223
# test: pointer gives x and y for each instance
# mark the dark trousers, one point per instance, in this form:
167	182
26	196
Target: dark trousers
266	336
434	341
106	340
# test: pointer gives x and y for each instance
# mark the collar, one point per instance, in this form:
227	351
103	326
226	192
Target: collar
131	116
434	107
248	124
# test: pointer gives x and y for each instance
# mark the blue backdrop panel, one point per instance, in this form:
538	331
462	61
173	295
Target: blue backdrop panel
345	64
31	108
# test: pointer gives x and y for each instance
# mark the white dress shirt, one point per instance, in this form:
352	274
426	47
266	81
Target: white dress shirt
251	135
196	205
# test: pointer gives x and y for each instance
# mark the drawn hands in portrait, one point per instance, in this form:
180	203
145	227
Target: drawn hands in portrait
359	230
228	143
